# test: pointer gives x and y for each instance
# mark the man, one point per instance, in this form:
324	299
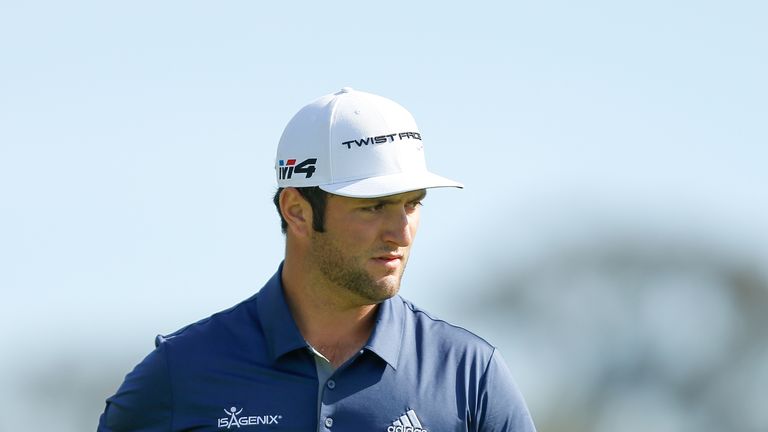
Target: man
327	344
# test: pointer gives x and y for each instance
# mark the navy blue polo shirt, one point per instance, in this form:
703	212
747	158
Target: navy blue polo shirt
248	368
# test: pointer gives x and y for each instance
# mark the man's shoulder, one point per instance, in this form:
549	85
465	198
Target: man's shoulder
443	332
219	327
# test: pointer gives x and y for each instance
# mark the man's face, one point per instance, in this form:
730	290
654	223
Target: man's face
366	244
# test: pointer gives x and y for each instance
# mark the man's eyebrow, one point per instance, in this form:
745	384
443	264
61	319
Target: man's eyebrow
388	200
421	195
385	201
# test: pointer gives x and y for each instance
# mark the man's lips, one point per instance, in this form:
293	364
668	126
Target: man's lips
389	263
388	258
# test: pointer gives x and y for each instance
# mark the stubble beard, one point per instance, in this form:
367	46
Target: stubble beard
345	272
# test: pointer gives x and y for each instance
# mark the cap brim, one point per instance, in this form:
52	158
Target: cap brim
374	187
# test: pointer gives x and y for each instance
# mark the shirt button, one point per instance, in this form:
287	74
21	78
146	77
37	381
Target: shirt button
328	422
331	384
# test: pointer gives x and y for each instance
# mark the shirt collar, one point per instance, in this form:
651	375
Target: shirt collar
280	330
282	334
387	336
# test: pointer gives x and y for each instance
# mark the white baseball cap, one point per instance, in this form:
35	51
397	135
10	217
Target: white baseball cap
354	144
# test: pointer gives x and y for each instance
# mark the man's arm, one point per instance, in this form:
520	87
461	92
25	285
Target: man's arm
501	407
143	403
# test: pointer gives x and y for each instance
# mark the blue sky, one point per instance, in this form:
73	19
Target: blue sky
137	142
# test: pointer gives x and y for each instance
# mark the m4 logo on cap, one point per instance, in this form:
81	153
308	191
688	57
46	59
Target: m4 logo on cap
287	168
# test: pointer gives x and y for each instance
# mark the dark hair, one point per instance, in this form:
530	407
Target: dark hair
317	199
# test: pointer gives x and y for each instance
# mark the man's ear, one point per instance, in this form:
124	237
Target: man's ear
296	211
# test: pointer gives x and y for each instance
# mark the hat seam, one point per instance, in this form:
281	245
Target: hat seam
331	122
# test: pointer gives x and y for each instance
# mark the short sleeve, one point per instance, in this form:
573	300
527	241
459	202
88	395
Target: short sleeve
143	403
501	407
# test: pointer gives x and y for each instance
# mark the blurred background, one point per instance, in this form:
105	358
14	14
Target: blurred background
611	240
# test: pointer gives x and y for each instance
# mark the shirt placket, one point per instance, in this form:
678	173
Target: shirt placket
327	379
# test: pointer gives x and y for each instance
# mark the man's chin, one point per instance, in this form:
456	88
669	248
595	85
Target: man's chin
389	285
380	290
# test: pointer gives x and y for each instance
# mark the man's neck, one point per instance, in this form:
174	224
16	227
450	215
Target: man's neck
338	339
335	328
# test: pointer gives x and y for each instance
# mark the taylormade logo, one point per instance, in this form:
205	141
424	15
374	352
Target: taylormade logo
381	139
235	419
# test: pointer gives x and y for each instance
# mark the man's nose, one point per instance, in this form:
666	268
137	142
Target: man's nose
398	229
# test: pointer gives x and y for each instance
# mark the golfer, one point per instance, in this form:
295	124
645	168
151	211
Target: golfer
328	344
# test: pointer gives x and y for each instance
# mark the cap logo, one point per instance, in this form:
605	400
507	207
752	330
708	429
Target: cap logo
287	168
381	139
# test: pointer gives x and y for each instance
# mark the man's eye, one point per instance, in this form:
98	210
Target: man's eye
374	208
413	205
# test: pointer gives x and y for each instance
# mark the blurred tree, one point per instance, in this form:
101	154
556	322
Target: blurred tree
635	335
